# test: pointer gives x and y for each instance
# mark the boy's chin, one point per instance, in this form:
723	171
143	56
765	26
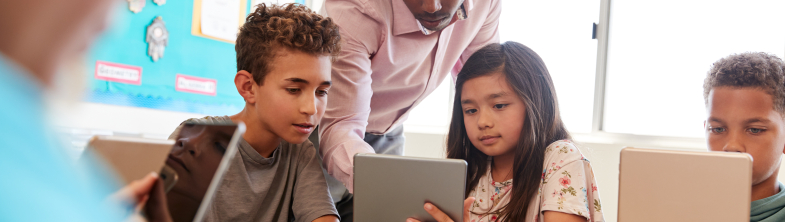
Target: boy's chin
295	139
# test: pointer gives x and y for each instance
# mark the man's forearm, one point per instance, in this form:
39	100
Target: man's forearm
339	159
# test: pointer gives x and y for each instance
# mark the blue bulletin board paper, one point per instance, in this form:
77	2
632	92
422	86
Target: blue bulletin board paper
124	43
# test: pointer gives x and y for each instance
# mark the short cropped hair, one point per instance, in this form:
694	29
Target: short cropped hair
293	26
749	70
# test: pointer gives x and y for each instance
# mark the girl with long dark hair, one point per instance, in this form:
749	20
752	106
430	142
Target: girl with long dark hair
522	165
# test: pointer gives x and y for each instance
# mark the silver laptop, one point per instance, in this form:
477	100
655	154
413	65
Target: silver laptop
667	185
394	188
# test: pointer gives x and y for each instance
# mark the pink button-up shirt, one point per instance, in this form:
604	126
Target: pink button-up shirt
387	66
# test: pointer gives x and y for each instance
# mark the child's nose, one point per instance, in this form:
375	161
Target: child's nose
308	106
185	145
734	144
485	121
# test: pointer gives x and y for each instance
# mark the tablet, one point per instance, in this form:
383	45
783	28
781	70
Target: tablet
130	158
394	188
201	156
667	185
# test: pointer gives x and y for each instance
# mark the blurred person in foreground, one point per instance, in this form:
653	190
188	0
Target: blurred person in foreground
40	183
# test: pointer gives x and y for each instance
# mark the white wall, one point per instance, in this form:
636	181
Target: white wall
132	120
76	122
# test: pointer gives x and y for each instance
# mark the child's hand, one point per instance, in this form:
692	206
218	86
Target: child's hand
157	209
146	190
441	216
137	192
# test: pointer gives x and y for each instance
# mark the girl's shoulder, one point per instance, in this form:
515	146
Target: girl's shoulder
562	152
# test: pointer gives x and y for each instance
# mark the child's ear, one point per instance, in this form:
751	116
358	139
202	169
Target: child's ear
245	83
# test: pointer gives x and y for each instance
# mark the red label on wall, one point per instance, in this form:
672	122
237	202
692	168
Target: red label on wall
121	73
192	84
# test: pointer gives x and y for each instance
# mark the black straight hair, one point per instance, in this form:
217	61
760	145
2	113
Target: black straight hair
527	75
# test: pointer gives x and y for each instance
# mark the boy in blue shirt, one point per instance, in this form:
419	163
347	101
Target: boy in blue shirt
745	102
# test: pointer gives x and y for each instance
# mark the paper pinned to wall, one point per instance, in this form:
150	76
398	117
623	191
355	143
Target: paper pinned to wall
219	18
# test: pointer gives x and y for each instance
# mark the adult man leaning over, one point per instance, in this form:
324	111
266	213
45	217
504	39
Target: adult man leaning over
395	53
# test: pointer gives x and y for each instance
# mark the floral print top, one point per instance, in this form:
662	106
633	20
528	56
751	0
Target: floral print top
567	186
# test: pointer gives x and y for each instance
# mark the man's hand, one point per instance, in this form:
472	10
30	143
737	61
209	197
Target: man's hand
441	216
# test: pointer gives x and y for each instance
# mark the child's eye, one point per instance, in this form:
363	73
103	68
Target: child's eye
716	129
755	130
220	147
500	106
470	111
321	92
292	90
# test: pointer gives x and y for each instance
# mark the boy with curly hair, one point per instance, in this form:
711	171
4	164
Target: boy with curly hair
745	102
284	57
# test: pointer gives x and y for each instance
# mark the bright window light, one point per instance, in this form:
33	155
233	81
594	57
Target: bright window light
560	32
660	51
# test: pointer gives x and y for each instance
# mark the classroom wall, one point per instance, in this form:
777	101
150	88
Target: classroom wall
76	122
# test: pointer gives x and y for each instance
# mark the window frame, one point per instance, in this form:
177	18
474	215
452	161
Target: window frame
598	134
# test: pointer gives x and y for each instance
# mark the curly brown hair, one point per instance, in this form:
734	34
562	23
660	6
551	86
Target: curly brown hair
293	26
750	69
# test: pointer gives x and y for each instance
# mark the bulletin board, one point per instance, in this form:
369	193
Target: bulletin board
186	55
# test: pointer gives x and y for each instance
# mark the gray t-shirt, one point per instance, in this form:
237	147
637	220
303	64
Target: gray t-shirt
288	186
